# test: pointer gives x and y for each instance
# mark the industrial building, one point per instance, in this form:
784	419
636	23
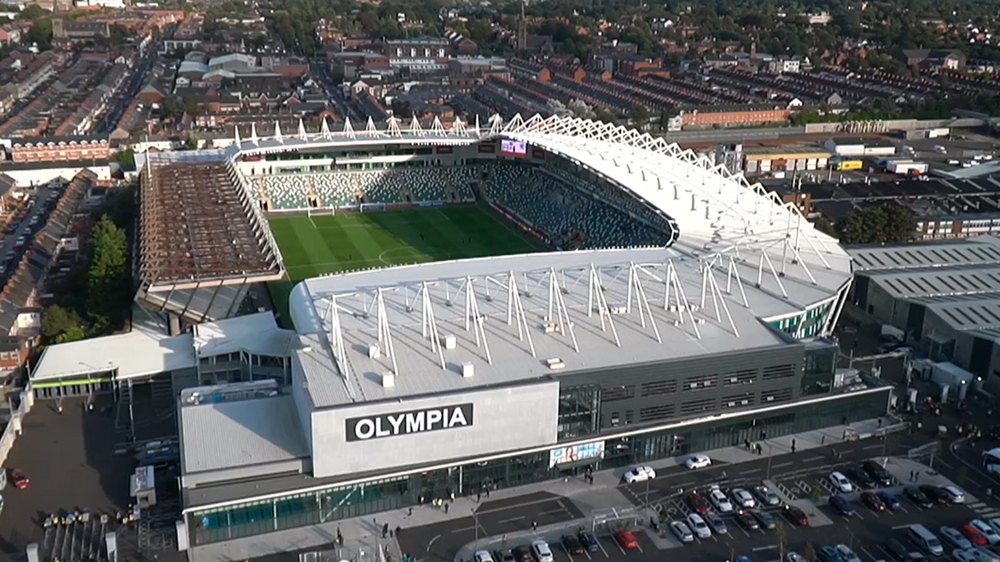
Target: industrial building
945	296
769	159
858	147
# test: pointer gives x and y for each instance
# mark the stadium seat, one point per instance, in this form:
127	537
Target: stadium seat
572	217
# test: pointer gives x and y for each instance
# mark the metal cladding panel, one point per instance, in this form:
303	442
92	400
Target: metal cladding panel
386	435
626	390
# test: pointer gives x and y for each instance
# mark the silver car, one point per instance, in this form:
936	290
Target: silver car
956	539
716	523
682	531
766	495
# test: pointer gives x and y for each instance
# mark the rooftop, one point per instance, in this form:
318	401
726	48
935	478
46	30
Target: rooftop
243	433
258	334
200	229
131	355
978	251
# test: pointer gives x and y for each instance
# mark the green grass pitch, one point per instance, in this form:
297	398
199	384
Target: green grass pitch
320	244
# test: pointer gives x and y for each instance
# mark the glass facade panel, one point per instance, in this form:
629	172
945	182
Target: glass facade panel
297	510
579	411
818	368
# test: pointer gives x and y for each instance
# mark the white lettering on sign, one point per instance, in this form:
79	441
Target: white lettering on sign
404	423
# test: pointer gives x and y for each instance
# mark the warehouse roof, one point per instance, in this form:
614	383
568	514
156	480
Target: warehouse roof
979	251
258	334
228	435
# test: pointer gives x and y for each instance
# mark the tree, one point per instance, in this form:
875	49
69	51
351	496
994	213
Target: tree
809	552
781	534
126	156
109	287
816	493
883	224
75	333
58	321
640	116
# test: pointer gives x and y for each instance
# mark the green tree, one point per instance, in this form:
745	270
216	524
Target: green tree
640	116
109	290
75	333
809	552
883	224
816	493
57	321
781	535
126	156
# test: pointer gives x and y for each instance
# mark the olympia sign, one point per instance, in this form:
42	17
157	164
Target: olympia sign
405	423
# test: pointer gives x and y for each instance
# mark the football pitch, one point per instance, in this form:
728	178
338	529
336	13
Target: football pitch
319	244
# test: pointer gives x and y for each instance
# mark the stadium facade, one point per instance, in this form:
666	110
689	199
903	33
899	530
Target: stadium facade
709	326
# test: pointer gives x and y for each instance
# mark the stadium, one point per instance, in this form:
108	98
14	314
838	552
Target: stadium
437	287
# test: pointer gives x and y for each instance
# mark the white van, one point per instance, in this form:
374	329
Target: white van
926	540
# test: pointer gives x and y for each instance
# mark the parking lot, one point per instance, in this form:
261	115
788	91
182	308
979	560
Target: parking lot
70	462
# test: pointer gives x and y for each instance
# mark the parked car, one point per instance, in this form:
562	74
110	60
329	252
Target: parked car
847	554
795	557
897	550
572	544
681	531
890	500
955	538
827	553
840	483
955	494
747	521
697	502
764	519
541	551
873	502
974	535
987	530
589	541
766	495
482	556
639	474
935	493
504	555
720	500
698	461
796	516
716	523
842	505
697	524
627	539
742	498
860	477
523	554
19	479
918	497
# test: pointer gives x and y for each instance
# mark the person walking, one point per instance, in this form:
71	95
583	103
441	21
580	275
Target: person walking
534	526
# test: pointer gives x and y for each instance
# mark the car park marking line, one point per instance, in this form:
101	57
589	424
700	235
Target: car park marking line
871	447
551	511
431	543
781	464
511	520
760	548
900	527
744	531
514	506
620	548
606	555
868	554
939	460
751	471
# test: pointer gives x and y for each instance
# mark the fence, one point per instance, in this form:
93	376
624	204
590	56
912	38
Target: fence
891	125
13	429
343	554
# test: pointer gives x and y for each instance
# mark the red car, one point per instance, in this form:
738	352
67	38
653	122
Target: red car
626	539
872	501
698	503
19	479
974	535
796	516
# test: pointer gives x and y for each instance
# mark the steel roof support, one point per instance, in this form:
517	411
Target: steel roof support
558	305
733	272
436	127
496	124
349	128
236	136
683	305
415	128
393	127
277	132
370	127
717	300
642	303
324	129
596	296
472	313
253	133
303	136
385	332
428	324
337	335
515	312
457	126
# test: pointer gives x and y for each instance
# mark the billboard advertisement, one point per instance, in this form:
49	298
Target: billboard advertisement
513	148
576	453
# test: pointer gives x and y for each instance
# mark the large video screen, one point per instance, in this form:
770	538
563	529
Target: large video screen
513	148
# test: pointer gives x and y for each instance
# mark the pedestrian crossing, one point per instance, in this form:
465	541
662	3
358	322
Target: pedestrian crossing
984	511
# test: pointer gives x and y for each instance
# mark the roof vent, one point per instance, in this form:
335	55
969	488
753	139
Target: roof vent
555	363
373	352
468	370
449	342
388	380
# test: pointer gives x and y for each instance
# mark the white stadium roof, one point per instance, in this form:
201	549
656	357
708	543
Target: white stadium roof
743	256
